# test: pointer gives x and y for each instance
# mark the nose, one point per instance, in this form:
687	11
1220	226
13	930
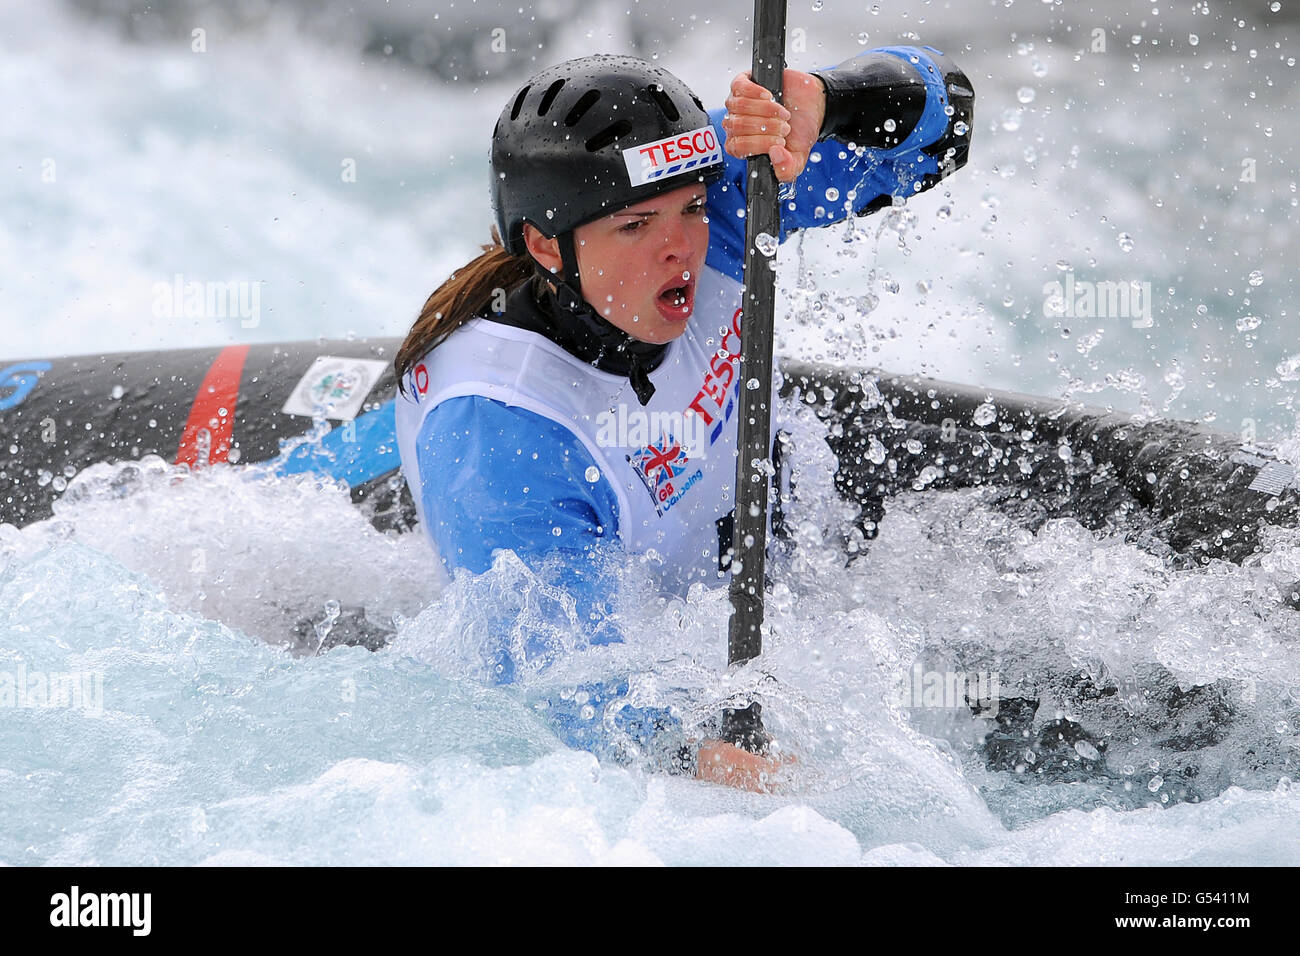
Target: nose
679	241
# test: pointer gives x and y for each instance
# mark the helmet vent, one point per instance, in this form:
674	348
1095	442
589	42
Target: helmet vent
696	100
549	96
608	135
665	102
587	101
519	103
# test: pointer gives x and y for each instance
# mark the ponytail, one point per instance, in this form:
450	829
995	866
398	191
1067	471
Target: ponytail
464	295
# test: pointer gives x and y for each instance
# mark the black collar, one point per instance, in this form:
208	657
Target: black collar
571	323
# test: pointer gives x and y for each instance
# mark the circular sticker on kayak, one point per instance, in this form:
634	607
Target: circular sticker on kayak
334	387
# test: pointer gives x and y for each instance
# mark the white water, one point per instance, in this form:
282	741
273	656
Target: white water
210	745
217	744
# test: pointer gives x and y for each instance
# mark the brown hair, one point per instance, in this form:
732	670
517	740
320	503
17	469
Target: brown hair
465	294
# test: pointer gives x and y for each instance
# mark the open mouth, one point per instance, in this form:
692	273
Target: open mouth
677	299
675	296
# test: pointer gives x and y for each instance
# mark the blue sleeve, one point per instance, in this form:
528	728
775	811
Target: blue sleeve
835	182
497	477
597	718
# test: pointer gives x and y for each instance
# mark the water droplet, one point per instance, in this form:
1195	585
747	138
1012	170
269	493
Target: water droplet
1039	69
118	392
832	194
890	125
1155	783
876	451
1193	39
960	129
1086	750
592	474
1125	242
765	243
752	384
928	475
1248	323
1256	278
986	414
943	212
1011	120
1025	94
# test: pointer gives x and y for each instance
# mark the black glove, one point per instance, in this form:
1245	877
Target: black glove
867	92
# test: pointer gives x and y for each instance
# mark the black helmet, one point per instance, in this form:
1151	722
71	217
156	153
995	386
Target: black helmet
590	136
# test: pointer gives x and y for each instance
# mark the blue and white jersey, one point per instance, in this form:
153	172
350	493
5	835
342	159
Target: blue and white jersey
657	477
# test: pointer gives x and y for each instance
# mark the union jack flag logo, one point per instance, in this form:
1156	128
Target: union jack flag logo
658	464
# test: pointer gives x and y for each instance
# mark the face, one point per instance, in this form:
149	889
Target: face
640	265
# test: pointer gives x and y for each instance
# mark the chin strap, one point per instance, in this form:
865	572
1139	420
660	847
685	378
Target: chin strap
569	262
571	289
608	348
641	384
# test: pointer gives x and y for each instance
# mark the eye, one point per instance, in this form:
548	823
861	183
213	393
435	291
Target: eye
632	226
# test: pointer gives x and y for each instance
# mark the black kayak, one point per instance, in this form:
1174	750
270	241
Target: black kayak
1180	488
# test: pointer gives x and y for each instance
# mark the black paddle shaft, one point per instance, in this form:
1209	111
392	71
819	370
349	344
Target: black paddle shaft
753	466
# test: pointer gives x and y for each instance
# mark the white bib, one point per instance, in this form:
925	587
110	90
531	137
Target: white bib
671	463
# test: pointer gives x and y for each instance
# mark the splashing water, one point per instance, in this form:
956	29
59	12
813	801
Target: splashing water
221	736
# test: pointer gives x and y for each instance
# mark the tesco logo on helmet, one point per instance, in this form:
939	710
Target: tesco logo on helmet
676	154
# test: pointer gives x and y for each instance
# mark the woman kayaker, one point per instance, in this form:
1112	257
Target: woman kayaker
571	394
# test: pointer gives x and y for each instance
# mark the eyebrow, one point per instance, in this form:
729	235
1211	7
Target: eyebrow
698	197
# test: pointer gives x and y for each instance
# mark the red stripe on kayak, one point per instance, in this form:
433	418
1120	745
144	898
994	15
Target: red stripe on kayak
208	430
